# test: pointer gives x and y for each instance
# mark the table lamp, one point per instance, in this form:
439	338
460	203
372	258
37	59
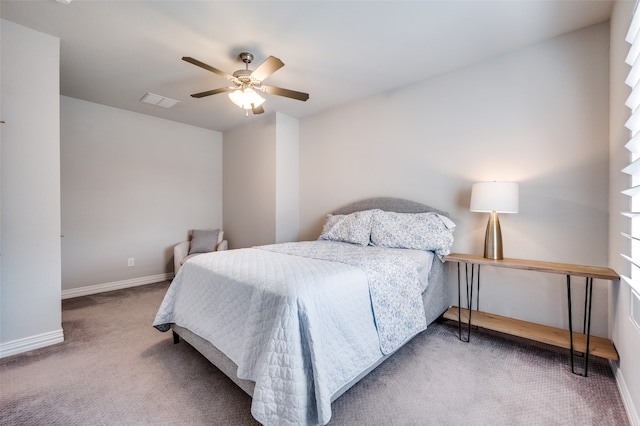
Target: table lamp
494	197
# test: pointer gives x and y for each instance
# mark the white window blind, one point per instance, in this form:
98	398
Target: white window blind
633	169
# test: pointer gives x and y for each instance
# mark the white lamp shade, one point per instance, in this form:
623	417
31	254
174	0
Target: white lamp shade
244	98
501	197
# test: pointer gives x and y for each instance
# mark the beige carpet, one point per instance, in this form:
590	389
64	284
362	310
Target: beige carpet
115	369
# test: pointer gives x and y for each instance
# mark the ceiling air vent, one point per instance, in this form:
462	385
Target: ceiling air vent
157	100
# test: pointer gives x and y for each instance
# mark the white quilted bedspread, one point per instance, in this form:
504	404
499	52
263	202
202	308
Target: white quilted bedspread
299	327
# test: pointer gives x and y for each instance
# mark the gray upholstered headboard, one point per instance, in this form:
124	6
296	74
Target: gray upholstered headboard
389	204
437	297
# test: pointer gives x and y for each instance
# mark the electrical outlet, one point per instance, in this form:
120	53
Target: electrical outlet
131	261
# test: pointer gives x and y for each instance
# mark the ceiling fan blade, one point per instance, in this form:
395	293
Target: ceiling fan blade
257	109
286	93
213	92
268	67
208	67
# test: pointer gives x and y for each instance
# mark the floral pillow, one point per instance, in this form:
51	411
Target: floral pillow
418	231
354	228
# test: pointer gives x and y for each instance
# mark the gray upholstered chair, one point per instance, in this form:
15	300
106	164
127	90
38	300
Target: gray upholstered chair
200	241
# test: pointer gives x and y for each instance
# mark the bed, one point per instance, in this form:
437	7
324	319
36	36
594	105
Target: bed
295	325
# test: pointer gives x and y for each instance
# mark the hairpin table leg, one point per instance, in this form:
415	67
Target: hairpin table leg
586	325
469	290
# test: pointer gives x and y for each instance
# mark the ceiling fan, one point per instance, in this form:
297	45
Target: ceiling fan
247	83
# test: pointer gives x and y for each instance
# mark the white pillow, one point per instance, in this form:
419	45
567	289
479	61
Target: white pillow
354	228
418	231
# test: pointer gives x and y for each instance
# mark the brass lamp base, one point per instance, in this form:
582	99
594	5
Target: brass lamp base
493	238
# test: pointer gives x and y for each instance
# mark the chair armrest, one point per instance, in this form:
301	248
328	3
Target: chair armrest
180	251
224	245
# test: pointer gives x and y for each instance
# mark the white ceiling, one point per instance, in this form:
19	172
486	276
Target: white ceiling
113	52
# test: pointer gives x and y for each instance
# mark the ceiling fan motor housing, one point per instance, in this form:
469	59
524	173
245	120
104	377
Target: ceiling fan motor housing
243	75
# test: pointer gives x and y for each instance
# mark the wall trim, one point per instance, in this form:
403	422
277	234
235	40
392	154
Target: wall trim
38	341
632	412
30	343
117	285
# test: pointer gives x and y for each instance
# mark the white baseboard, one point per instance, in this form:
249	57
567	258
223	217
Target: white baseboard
19	346
117	285
30	343
632	410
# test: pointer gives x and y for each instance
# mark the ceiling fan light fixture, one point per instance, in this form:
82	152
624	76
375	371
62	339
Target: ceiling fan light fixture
246	98
245	83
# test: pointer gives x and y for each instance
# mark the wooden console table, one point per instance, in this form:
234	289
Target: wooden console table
579	344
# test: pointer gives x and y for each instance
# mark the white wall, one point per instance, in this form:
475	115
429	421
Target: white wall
30	313
261	181
287	178
625	335
132	187
538	116
250	183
